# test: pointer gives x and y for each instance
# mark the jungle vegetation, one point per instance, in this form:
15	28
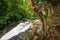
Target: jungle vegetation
13	11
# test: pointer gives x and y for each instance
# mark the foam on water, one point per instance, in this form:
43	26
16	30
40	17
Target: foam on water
21	27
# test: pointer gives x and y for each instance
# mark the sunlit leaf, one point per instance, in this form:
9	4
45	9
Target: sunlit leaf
45	12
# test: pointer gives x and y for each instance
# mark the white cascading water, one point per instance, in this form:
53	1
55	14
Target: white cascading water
21	27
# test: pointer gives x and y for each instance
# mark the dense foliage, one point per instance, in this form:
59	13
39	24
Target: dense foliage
48	8
13	11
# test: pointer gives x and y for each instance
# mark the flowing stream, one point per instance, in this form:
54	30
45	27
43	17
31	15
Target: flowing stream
21	27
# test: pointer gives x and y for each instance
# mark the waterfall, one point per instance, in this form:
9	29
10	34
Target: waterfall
21	27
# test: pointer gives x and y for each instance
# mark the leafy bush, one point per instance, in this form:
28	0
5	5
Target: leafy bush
14	11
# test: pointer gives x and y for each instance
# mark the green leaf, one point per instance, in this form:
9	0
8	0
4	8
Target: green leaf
45	12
